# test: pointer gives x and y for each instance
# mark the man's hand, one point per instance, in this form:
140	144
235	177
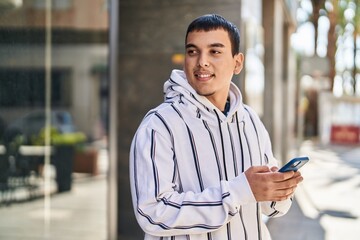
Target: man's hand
270	185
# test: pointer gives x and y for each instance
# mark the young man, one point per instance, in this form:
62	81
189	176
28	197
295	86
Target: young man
201	163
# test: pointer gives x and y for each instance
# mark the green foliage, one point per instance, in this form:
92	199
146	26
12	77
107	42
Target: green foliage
17	141
57	138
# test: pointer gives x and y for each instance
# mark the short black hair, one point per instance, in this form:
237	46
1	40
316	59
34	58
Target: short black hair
211	22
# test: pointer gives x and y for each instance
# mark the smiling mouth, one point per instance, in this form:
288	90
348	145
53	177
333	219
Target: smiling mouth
204	76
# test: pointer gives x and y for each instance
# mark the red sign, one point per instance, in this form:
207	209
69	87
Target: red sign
345	134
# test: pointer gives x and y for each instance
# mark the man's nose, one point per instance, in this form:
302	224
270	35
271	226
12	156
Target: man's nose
203	61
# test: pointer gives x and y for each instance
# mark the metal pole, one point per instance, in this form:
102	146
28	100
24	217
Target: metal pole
112	207
48	63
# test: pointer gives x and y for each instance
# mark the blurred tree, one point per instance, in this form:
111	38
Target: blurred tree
356	37
344	19
329	7
333	15
348	26
317	6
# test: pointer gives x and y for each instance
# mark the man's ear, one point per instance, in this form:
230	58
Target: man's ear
239	63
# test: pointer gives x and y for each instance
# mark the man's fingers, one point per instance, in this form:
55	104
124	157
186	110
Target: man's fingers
274	169
286	193
267	185
280	177
290	183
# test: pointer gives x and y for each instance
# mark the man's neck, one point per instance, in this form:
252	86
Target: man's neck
219	103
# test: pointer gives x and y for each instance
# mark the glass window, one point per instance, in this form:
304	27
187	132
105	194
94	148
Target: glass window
53	119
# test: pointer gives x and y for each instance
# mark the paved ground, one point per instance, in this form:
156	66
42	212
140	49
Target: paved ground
327	202
78	214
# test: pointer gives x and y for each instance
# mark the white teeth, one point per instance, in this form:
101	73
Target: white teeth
204	75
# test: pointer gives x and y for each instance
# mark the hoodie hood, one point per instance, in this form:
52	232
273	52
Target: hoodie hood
178	87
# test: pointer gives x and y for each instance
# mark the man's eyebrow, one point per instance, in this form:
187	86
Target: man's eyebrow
217	45
190	45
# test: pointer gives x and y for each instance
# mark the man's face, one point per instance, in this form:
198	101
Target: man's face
210	65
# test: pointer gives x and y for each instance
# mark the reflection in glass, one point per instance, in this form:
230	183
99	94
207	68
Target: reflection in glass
75	137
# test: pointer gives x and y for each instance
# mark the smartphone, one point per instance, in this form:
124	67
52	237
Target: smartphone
294	164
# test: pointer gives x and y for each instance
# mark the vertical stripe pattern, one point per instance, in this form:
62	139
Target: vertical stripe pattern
187	163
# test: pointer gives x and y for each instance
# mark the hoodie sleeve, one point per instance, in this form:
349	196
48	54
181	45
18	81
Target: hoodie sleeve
270	209
161	207
274	209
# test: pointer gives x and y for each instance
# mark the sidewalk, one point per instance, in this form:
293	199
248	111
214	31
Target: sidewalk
77	214
326	205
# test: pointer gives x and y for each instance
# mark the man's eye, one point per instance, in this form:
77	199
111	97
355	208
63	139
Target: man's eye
215	52
191	52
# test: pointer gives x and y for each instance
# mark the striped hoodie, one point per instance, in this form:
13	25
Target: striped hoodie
187	163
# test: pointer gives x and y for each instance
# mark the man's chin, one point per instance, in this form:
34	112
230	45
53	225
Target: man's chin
205	94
